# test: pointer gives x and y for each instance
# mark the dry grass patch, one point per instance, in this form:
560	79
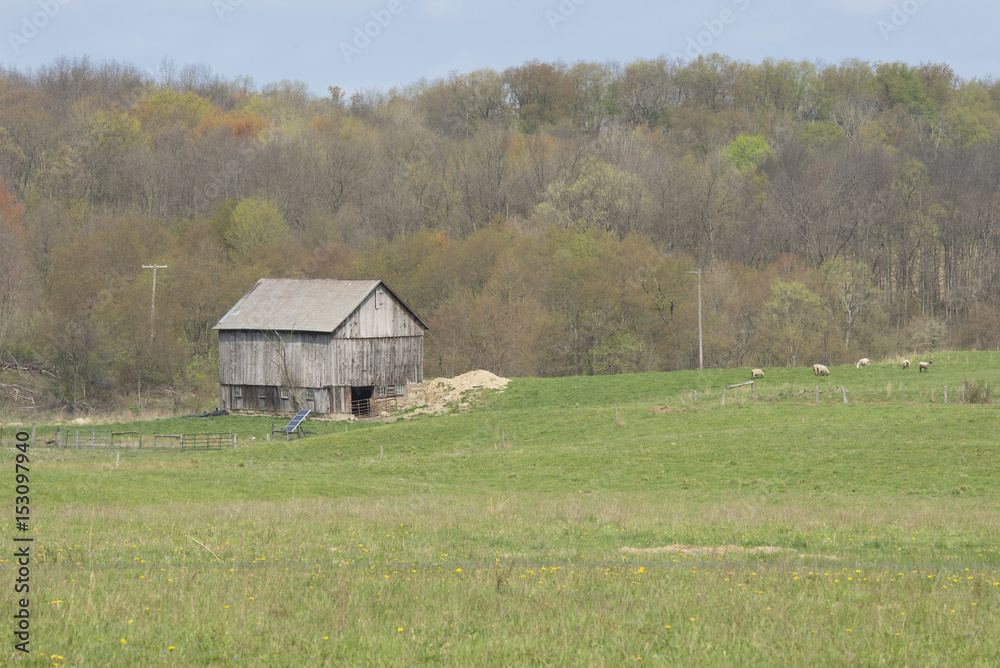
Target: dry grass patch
660	410
695	550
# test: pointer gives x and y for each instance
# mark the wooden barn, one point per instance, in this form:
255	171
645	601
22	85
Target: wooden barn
331	346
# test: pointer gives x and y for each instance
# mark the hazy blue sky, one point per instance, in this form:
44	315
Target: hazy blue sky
325	43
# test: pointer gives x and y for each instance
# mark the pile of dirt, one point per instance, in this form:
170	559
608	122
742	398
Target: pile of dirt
440	394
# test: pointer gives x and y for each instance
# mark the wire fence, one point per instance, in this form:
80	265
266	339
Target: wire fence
106	438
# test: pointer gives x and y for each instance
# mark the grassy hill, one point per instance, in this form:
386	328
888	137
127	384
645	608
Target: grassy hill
581	521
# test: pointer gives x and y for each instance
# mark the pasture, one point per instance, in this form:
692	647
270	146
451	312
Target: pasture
573	521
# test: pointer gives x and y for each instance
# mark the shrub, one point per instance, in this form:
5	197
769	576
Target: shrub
976	392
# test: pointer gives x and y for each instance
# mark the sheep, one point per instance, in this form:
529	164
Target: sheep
906	364
756	373
820	370
864	361
923	366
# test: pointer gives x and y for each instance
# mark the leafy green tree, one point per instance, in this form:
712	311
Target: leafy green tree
974	117
748	151
255	222
900	84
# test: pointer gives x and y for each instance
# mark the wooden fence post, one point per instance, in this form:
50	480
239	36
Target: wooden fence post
817	394
843	392
946	394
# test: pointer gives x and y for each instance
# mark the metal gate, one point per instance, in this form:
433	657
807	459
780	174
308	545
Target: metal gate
83	438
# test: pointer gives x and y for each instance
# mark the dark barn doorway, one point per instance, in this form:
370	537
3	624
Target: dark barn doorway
361	405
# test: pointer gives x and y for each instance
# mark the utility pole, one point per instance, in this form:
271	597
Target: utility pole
152	306
152	316
701	353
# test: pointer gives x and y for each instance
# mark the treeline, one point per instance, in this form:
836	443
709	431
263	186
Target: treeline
540	219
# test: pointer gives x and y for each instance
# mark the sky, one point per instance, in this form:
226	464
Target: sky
381	44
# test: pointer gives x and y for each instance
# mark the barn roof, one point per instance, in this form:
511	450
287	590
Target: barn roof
309	305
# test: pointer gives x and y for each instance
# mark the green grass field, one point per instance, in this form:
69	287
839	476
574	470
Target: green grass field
538	530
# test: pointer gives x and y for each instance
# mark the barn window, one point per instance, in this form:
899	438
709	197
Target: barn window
284	394
381	390
310	395
237	392
401	390
379	298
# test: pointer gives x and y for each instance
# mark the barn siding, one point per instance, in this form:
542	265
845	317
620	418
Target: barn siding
270	398
388	361
291	359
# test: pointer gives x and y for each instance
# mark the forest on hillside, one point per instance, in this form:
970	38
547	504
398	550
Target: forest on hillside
542	220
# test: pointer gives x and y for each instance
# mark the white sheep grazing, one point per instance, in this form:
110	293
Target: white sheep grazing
864	361
756	373
906	364
820	370
923	366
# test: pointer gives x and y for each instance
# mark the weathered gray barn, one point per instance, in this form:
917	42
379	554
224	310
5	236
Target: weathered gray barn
322	344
